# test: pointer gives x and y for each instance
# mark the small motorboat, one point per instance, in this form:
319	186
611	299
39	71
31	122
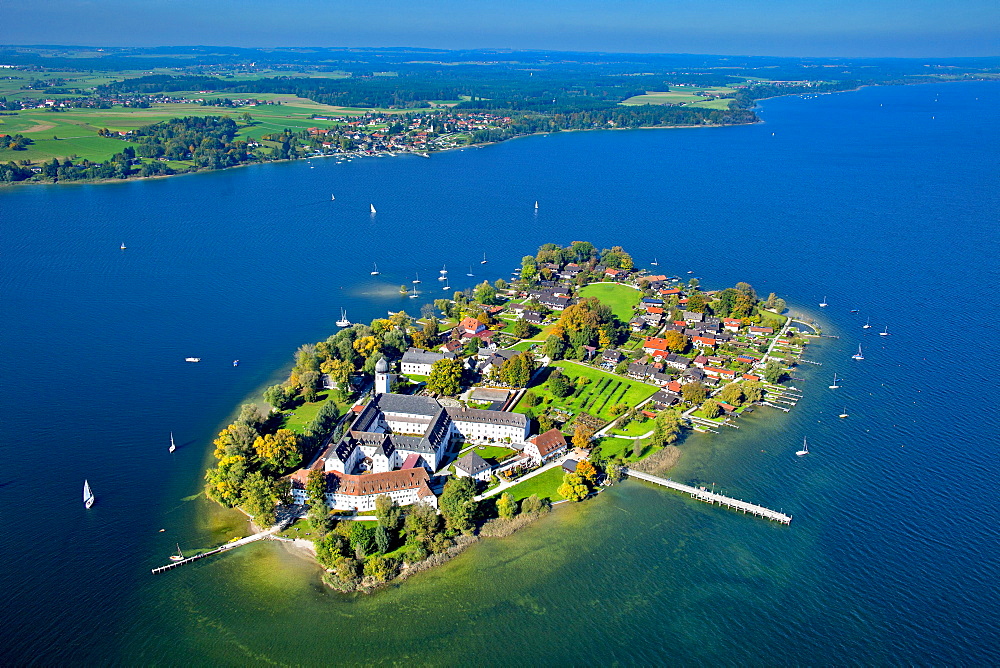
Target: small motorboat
192	359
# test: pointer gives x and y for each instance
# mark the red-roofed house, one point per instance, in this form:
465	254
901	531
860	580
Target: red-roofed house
750	376
652	344
545	446
732	324
716	372
703	341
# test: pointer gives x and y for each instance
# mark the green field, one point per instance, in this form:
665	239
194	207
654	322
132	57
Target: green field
635	428
621	298
597	397
543	484
686	96
76	129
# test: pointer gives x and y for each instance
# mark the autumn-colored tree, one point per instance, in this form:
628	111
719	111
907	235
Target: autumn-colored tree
338	370
587	471
675	341
573	487
316	488
278	452
366	345
506	506
697	302
581	436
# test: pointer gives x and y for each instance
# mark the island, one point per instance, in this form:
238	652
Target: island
394	445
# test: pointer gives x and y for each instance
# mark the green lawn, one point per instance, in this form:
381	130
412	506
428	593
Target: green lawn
543	484
621	298
635	428
596	398
297	419
492	452
622	447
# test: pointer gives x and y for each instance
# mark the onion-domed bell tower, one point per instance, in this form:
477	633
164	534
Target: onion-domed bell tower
383	379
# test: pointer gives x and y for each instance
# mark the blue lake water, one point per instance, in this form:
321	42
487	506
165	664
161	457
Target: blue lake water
883	200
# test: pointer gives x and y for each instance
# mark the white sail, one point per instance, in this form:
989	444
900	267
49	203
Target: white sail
172	445
373	207
88	496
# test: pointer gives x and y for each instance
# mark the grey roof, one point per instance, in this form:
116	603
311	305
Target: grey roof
418	356
494	417
381	366
472	464
412	444
405	403
693	317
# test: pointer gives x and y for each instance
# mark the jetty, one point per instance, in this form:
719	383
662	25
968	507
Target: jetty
702	494
228	546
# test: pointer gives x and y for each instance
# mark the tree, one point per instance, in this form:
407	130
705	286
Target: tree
573	487
446	377
382	539
458	504
260	497
427	310
522	329
224	483
517	371
675	341
316	488
732	394
279	451
581	436
388	512
506	506
560	385
279	396
533	504
366	345
753	390
500	285
485	293
421	522
379	568
774	373
712	409
588	472
697	302
747	289
554	348
362	538
694	392
330	548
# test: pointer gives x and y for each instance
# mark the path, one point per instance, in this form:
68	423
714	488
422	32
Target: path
702	494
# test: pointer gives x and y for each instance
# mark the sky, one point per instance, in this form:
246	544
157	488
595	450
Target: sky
853	28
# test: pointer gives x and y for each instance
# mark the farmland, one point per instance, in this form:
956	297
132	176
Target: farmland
595	395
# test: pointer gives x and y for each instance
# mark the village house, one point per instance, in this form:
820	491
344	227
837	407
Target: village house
418	362
544	447
473	466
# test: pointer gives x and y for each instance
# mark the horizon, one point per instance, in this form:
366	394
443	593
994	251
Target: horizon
850	29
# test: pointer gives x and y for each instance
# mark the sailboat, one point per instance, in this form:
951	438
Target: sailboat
446	287
417	279
179	556
655	263
834	386
444	274
372	207
88	496
805	448
123	245
343	322
823	303
858	355
885	333
484	259
470	271
375	271
332	197
868	324
172	445
844	414
536	205
414	294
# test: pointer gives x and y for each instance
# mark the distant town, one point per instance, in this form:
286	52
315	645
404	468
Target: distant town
395	444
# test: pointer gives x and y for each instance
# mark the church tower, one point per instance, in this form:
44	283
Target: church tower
383	379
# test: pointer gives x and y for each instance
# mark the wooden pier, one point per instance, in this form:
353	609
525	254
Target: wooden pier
702	494
228	546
